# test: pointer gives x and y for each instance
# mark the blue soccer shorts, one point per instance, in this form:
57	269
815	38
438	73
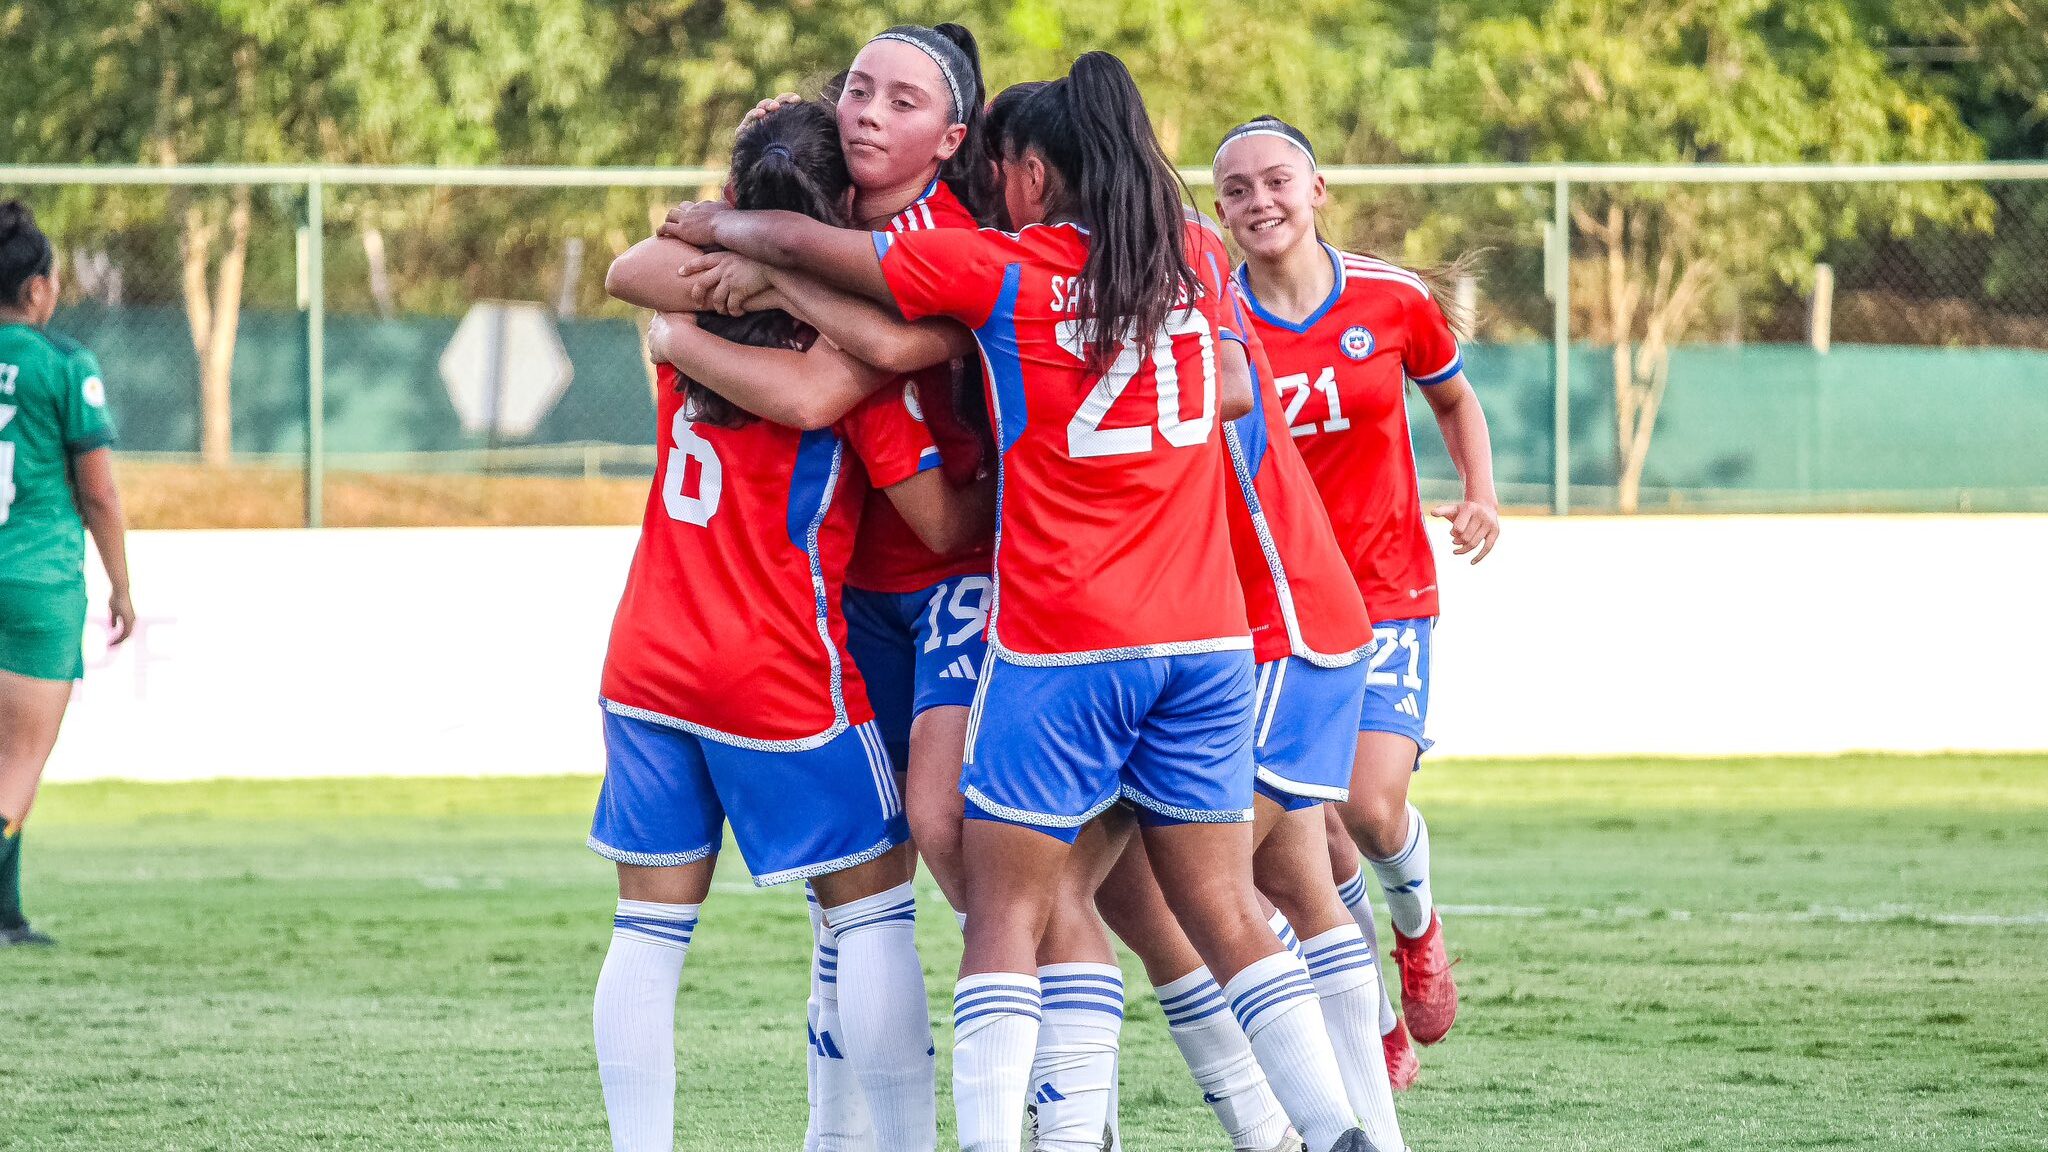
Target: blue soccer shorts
1303	735
1050	748
917	651
668	795
1397	680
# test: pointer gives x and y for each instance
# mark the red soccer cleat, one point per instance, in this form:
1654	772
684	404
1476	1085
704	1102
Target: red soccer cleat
1402	1066
1429	997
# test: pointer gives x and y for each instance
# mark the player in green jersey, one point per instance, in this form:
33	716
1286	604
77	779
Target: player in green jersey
56	481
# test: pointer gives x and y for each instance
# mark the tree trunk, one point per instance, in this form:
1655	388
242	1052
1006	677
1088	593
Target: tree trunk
215	342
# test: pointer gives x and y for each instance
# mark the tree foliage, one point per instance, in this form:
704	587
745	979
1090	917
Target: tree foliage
662	82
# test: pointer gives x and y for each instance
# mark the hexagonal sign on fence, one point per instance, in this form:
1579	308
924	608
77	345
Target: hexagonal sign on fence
505	368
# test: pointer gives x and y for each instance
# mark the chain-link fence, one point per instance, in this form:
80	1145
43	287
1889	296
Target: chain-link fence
1760	340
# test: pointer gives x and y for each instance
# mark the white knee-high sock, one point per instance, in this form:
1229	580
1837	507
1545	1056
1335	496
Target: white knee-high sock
634	1015
1276	1005
1285	931
1346	974
886	1018
1221	1061
1073	1069
1404	877
1359	904
839	1111
995	1031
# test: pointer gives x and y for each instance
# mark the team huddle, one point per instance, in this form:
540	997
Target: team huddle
997	521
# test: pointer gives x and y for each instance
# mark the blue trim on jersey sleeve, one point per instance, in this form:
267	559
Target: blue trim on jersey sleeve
883	242
1457	366
998	339
1251	298
816	454
928	459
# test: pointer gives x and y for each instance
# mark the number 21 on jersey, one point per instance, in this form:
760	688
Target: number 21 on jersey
1296	391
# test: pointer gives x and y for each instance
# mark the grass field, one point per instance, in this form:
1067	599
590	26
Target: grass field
1785	954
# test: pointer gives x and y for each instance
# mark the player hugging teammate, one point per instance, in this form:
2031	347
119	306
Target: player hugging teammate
1158	637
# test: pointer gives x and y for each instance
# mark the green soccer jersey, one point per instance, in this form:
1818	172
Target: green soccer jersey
52	406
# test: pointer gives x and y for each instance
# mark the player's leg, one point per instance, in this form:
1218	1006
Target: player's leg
838	1117
1292	868
1209	1038
1349	870
1191	772
947	625
833	815
1391	832
659	819
31	711
1042	747
879	641
1305	764
1074	1067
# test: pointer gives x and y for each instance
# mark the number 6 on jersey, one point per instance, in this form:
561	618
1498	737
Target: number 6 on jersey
697	509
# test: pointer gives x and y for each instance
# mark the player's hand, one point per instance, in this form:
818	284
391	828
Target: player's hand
661	333
120	618
693	223
1474	525
728	281
766	106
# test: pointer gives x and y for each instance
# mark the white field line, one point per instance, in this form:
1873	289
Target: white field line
1882	914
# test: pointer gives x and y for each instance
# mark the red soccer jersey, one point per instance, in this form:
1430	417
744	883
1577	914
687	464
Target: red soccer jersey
888	556
730	625
1341	374
1111	540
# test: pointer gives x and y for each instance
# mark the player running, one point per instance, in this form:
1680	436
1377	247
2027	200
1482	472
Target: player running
1344	331
1310	636
56	482
907	110
1120	664
728	695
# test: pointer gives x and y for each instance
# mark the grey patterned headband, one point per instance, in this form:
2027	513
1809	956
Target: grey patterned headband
951	61
1268	128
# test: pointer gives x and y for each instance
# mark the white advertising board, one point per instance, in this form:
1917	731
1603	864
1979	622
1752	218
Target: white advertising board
477	651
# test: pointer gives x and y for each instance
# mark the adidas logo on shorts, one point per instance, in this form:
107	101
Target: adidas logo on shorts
960	669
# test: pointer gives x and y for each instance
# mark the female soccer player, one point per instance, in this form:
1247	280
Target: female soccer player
1344	331
1310	635
1119	653
907	110
728	696
56	481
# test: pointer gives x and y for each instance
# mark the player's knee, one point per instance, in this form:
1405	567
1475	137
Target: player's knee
1378	824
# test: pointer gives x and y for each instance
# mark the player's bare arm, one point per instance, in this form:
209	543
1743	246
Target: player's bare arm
1234	391
867	330
798	389
645	277
99	505
840	257
948	519
1475	520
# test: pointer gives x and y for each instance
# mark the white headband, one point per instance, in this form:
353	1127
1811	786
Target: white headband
959	109
1276	133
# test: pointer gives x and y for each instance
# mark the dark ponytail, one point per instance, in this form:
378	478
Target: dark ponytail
25	253
788	160
1092	130
963	172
